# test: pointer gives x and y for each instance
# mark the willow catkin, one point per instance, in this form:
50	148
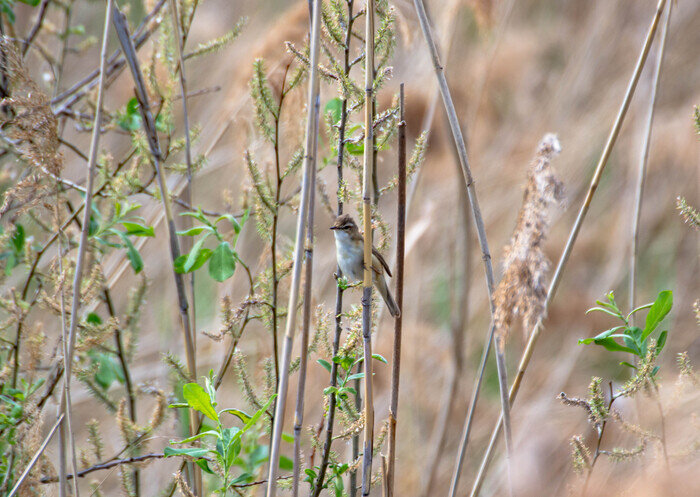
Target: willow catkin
32	127
522	290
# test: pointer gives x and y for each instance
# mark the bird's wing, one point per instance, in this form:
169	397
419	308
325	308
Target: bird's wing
378	260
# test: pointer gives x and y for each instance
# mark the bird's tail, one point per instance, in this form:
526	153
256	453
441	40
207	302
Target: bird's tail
383	289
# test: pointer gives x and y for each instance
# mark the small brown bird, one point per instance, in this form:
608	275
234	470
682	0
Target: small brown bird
349	246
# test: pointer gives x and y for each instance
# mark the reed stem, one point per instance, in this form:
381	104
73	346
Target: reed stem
398	322
307	190
368	167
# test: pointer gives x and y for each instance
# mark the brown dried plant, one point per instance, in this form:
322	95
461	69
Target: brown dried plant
31	127
522	290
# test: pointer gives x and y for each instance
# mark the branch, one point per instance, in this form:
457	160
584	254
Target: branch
106	465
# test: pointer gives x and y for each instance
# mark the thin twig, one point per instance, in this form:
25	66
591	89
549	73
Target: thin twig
82	87
307	191
368	167
187	193
537	330
398	322
106	465
187	197
330	420
600	433
36	457
84	233
36	27
644	160
128	384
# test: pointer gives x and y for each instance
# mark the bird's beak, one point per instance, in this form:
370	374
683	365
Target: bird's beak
334	227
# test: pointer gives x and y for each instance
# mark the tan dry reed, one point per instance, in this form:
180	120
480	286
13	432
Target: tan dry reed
523	288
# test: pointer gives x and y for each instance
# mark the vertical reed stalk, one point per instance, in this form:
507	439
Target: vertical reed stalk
537	329
644	160
305	324
459	143
367	169
473	200
330	420
122	27
307	190
66	404
505	408
398	322
82	251
187	193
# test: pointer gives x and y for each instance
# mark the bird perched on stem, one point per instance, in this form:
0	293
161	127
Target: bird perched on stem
349	246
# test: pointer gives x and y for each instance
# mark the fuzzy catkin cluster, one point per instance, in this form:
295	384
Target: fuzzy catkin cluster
32	128
522	290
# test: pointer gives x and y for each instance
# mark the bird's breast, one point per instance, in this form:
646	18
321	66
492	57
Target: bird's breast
350	256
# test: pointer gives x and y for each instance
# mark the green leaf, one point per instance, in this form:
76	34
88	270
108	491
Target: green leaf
131	253
661	342
212	433
107	372
222	263
350	389
199	400
238	413
325	364
611	345
198	215
193	231
607	333
641	307
286	464
658	311
288	438
194	254
130	119
602	309
256	416
243	478
633	345
137	229
187	451
356	376
204	464
355	148
232	220
625	363
202	258
379	358
93	318
18	238
334	107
